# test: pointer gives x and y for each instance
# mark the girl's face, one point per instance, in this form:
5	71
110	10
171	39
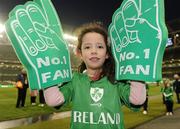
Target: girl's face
93	51
167	83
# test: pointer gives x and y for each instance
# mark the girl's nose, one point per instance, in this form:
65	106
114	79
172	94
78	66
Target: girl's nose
94	51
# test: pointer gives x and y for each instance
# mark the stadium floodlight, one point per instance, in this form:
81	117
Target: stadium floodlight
177	35
2	28
1	36
70	37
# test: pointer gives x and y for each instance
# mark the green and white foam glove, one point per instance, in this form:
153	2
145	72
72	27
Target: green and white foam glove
138	38
36	35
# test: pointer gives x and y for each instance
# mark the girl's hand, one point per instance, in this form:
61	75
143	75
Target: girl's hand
53	96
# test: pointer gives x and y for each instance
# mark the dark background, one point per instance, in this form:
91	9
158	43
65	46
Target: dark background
77	12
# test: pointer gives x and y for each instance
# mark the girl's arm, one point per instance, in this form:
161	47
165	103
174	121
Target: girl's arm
53	96
167	95
137	93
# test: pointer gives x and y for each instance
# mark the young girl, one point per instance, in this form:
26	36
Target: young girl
96	97
168	95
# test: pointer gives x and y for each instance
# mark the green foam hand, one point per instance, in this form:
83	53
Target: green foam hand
36	35
138	38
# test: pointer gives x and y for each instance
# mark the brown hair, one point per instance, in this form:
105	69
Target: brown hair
166	82
108	66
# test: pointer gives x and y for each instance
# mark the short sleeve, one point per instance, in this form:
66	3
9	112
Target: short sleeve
67	89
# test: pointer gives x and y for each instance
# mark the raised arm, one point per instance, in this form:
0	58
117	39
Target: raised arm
137	93
53	96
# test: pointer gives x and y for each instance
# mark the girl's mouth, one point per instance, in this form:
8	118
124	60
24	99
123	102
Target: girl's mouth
94	59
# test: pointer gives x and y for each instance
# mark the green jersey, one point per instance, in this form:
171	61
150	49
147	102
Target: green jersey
168	91
96	104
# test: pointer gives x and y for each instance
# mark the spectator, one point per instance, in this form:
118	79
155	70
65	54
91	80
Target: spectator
176	87
168	94
22	80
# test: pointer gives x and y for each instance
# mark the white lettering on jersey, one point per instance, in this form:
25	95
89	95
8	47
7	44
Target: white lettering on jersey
91	118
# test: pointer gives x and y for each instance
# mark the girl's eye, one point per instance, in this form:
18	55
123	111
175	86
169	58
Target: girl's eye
86	47
100	46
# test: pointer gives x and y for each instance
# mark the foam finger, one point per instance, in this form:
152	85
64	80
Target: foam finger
13	11
130	13
115	40
35	13
27	24
121	28
51	16
23	38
